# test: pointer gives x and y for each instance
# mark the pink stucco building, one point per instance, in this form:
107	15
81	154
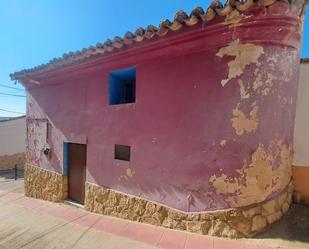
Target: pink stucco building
187	126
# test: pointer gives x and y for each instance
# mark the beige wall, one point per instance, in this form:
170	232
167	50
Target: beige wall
301	132
13	136
301	137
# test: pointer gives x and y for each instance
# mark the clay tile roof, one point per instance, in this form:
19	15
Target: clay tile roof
181	19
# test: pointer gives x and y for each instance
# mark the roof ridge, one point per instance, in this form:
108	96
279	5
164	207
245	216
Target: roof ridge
181	19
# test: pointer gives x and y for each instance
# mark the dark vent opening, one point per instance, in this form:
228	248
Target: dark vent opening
122	152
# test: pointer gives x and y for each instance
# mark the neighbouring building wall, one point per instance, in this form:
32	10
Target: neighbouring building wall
301	135
12	142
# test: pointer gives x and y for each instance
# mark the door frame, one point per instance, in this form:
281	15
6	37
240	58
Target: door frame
66	165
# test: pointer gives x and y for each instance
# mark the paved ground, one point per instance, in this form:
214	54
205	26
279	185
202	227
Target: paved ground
35	224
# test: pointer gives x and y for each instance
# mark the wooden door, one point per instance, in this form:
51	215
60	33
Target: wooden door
77	171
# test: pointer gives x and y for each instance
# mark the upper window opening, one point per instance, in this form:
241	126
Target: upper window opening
122	86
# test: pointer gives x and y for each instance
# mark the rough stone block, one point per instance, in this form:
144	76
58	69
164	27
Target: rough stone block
285	207
250	213
274	217
259	223
198	226
282	199
269	208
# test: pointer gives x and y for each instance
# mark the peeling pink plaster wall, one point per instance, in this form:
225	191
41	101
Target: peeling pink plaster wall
185	150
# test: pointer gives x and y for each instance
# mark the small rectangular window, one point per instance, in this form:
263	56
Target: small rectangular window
122	152
122	86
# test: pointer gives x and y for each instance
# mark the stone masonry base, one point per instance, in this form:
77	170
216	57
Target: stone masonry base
46	185
232	223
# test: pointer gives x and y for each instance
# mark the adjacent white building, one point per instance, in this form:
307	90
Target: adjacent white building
301	134
12	142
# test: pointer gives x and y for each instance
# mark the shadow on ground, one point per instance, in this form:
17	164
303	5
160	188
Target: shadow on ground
293	226
292	231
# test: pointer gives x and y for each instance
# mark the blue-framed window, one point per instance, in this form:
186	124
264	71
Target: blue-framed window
122	85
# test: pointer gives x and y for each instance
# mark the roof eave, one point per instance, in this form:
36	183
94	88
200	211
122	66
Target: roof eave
180	21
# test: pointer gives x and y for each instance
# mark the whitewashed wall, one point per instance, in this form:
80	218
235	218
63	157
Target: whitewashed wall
13	136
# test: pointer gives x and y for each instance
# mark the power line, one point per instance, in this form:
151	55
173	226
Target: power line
13	95
15	88
4	110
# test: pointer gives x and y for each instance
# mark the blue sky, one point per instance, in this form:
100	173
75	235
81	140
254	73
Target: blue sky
34	31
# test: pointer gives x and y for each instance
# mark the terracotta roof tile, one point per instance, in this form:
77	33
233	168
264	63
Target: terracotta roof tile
181	19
